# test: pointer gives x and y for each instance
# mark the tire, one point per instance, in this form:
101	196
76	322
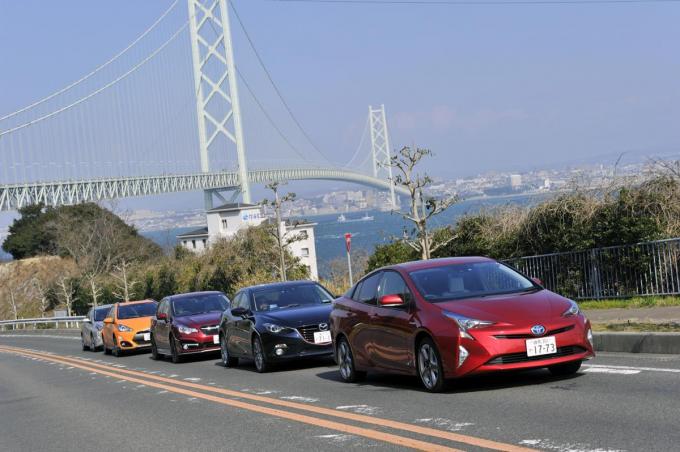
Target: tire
82	342
107	351
348	372
259	356
116	351
154	350
174	353
93	348
562	370
227	359
429	366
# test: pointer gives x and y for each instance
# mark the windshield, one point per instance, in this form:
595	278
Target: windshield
100	314
200	304
132	311
290	296
479	279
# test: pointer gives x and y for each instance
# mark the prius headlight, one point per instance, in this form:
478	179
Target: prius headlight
124	329
186	329
273	328
466	323
572	310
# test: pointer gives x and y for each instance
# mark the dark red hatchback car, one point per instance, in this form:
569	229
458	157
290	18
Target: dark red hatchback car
447	318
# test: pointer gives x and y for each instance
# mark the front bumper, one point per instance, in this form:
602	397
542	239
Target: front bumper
283	347
197	343
496	350
133	340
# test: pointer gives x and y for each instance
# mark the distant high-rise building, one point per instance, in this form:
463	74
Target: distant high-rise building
515	180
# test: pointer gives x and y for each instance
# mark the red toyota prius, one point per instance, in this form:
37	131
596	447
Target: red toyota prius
447	318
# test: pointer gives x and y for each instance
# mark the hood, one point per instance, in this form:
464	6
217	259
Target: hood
199	320
137	324
295	317
515	309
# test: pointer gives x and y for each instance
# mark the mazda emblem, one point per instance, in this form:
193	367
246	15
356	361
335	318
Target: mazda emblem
323	327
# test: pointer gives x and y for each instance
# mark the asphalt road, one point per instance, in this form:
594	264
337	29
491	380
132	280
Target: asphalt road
55	397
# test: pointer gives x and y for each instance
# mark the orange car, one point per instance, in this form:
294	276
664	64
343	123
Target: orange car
126	326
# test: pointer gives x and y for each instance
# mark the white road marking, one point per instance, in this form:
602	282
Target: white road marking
360	409
448	424
300	399
650	369
338	438
609	370
547	444
192	379
41	335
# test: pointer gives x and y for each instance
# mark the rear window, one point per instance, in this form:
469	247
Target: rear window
132	311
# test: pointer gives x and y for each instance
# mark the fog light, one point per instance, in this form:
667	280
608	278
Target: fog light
589	335
280	349
462	355
185	347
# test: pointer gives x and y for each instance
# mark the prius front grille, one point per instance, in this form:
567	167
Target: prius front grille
531	336
513	358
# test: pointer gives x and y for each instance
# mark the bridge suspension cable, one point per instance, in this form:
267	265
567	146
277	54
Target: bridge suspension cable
97	69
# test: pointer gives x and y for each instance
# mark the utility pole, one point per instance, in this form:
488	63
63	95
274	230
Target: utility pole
348	246
282	253
217	106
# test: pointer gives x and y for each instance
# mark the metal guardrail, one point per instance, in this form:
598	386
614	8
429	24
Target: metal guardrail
642	269
57	321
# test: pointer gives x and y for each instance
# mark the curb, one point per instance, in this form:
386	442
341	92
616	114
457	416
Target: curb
662	343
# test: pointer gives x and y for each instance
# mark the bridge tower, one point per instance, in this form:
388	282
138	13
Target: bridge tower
217	100
380	147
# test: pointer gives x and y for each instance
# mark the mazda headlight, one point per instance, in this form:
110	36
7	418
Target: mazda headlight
186	329
273	328
572	311
466	323
124	329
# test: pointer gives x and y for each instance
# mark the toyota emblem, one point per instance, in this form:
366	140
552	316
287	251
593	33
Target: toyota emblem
537	330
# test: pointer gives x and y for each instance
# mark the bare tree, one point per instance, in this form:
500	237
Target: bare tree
125	285
66	289
422	207
95	290
42	293
283	238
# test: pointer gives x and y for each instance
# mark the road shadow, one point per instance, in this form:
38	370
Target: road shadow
193	358
248	365
475	383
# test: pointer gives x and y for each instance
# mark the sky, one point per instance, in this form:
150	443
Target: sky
486	87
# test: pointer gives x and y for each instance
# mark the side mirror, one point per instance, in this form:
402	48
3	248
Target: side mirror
162	316
390	300
108	320
537	281
240	312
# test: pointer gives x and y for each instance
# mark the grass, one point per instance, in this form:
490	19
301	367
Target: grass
637	302
670	327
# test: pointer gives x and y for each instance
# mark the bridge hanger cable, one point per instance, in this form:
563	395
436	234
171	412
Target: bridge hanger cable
103	88
361	142
276	88
97	69
266	114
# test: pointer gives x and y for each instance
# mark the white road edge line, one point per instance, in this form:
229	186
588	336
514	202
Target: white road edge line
650	369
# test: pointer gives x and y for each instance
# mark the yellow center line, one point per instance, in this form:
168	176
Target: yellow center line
442	434
331	425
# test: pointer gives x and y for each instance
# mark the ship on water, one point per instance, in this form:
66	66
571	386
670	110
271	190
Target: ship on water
343	219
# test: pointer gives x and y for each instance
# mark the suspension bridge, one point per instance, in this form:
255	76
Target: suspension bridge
165	115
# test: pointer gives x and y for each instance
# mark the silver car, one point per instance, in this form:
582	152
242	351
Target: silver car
91	329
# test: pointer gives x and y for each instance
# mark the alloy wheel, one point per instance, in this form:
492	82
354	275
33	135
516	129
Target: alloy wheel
345	360
258	356
429	367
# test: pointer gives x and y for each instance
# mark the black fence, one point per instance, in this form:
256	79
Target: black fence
650	268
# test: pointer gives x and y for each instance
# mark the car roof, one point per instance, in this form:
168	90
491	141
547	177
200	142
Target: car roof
280	285
193	294
128	303
103	306
441	262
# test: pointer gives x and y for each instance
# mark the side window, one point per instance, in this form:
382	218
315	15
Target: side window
369	289
238	301
393	284
90	315
112	312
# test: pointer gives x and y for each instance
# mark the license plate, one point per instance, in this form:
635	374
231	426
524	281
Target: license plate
147	336
541	346
322	337
216	339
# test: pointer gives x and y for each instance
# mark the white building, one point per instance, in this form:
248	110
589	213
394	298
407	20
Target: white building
226	220
515	180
